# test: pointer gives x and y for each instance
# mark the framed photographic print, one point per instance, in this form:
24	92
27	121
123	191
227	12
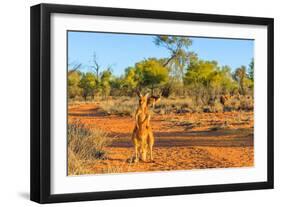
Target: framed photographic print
132	103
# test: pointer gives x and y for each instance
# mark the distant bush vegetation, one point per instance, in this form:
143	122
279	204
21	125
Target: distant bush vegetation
126	106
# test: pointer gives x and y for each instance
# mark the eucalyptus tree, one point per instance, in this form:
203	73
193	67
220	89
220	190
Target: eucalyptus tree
251	69
178	51
240	75
177	62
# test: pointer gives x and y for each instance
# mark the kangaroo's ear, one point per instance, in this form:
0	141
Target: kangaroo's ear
139	93
146	95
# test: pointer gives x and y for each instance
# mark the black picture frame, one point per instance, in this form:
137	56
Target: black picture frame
41	99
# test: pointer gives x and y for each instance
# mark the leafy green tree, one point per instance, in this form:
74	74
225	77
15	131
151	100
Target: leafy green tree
228	84
179	55
105	80
205	80
221	81
87	83
200	73
153	73
251	69
73	84
116	84
240	75
131	79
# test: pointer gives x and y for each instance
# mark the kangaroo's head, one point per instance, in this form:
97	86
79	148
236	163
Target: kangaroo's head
146	100
143	100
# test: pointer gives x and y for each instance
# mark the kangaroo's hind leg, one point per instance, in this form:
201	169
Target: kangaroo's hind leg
150	142
136	145
143	149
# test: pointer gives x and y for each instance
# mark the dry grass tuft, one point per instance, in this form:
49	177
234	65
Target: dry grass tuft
75	165
174	105
84	144
245	103
122	106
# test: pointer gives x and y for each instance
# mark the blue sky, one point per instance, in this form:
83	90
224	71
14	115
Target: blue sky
122	50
